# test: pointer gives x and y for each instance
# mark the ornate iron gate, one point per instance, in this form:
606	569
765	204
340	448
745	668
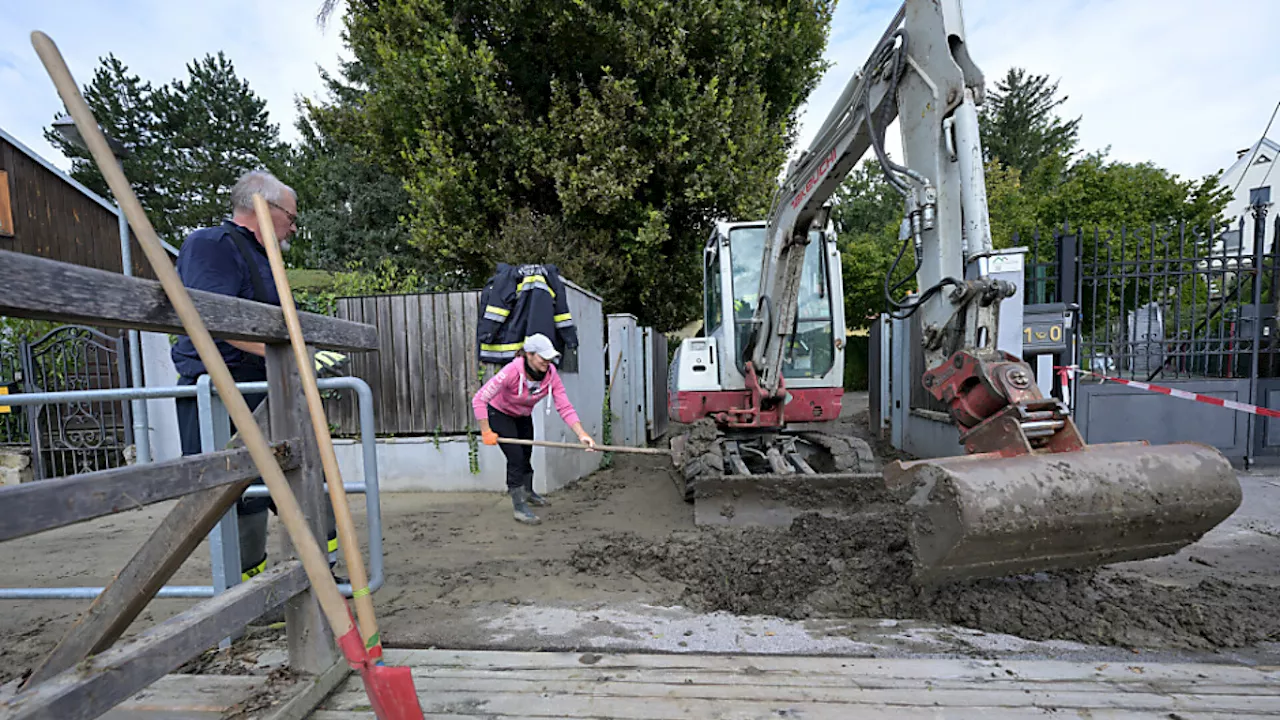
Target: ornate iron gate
1190	308
76	437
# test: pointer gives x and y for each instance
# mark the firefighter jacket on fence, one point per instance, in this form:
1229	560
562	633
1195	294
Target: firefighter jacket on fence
519	301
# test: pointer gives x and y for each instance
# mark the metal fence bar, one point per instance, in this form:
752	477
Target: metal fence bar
1259	236
224	539
368	441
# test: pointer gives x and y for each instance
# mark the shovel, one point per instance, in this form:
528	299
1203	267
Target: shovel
390	690
320	425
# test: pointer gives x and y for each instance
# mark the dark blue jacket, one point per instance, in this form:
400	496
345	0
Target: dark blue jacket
211	261
519	301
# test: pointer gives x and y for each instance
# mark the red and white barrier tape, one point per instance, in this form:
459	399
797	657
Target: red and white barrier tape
1065	371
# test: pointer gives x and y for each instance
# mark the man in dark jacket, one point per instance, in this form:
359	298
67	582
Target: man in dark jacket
229	259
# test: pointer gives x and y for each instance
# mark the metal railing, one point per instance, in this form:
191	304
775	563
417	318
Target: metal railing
224	539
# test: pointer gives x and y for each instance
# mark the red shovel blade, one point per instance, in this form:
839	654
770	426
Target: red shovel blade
391	692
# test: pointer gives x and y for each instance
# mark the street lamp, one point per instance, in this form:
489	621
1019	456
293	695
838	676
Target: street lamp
66	128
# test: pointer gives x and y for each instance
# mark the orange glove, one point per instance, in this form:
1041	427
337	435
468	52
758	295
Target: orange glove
489	438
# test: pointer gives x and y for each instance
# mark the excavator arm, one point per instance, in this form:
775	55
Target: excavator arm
920	74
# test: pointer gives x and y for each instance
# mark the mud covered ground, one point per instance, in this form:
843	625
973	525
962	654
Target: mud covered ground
624	536
860	567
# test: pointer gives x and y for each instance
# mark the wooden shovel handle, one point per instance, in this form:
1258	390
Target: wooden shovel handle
580	446
313	559
320	425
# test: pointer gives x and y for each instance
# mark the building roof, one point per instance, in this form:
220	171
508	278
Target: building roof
1247	157
110	206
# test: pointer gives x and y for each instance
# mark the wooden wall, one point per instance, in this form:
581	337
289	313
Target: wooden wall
54	219
426	368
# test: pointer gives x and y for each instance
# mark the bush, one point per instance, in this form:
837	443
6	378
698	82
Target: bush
857	363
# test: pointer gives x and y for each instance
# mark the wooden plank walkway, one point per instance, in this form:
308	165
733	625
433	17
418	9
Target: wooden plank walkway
457	685
190	697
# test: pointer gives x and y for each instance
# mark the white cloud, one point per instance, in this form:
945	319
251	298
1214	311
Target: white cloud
276	46
1181	83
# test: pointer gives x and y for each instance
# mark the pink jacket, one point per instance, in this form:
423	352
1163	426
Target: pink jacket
511	392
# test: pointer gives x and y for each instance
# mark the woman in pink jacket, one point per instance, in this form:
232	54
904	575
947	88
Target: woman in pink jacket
504	407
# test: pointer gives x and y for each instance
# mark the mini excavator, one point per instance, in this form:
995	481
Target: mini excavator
761	388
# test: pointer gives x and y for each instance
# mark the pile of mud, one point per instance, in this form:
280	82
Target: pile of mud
860	567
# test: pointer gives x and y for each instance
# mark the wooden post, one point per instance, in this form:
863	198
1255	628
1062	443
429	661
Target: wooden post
311	643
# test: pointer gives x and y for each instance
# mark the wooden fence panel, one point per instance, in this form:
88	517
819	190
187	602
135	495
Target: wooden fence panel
425	370
444	360
414	402
471	315
459	350
386	360
428	376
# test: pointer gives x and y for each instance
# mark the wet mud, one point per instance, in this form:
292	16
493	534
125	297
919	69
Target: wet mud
859	566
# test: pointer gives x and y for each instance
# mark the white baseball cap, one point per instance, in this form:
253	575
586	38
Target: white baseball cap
541	345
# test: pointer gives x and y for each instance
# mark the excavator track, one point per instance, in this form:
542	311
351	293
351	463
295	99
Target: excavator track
771	479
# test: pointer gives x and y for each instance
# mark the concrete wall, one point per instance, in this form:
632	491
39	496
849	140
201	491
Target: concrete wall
416	464
158	371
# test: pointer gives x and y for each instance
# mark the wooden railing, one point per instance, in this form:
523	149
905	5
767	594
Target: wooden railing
87	674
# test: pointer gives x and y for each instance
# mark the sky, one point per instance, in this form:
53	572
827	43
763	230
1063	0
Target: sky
1181	83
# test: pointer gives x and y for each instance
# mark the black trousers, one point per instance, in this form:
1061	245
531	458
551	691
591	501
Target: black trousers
251	513
519	457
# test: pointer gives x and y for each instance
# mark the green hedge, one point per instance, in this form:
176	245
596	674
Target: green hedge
857	362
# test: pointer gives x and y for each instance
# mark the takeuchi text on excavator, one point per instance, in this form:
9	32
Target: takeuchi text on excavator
761	387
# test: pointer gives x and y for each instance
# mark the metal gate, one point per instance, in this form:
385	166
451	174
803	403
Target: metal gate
656	359
76	437
1183	307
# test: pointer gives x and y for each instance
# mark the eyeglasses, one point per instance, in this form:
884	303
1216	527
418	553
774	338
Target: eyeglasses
293	217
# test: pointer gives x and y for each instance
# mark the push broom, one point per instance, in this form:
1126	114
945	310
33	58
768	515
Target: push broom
390	690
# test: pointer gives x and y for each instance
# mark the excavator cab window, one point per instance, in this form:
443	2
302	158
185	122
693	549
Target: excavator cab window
712	315
811	352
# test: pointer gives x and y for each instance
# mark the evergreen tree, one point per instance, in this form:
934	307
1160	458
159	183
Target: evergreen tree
187	141
1019	123
604	137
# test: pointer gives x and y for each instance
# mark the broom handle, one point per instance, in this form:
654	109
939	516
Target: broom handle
320	425
323	585
579	446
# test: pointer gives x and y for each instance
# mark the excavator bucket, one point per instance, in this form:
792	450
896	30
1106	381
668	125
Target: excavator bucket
984	515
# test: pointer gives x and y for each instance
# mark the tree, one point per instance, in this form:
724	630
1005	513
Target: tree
1110	194
1089	193
867	212
351	209
122	104
1019	123
188	140
602	136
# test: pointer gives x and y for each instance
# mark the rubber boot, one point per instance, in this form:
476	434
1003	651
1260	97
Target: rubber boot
534	498
520	507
